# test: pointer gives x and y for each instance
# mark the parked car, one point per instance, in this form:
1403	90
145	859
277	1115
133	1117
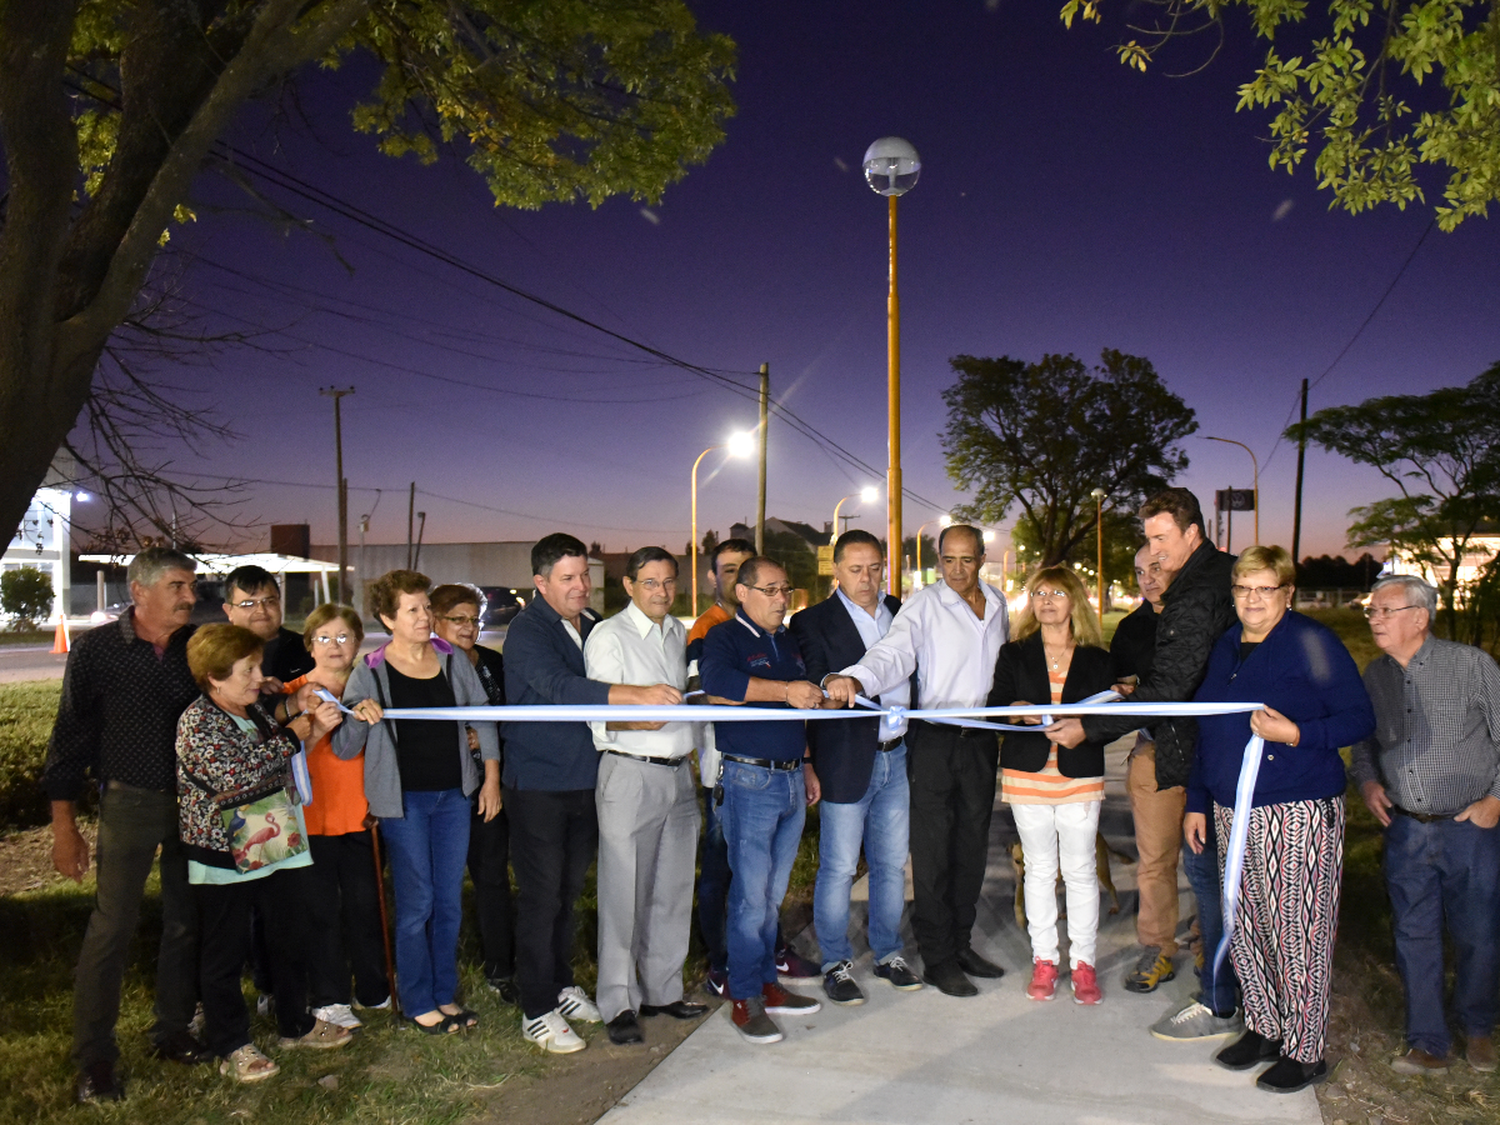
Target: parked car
501	604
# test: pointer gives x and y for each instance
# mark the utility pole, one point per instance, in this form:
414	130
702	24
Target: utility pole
343	487
1297	504
411	514
765	421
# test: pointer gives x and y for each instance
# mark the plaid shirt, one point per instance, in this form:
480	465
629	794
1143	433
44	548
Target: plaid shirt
1436	746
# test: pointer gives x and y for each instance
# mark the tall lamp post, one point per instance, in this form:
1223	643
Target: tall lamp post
1098	495
891	168
739	445
867	495
942	521
1255	464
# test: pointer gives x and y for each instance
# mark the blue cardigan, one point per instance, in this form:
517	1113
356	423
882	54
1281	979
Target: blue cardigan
1302	670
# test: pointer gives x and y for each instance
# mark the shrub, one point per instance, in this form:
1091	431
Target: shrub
26	594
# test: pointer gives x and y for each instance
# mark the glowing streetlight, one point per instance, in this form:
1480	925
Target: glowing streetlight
867	495
891	168
738	445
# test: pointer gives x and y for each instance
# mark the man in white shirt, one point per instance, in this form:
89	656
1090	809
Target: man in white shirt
648	814
950	633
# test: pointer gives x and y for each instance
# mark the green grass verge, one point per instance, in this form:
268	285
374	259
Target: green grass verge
26	714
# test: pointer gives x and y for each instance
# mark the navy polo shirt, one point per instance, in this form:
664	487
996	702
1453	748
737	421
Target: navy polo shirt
735	651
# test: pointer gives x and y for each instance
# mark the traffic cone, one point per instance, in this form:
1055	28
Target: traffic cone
60	640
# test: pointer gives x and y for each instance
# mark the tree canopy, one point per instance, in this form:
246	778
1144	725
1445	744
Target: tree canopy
1441	450
1374	89
110	108
1042	436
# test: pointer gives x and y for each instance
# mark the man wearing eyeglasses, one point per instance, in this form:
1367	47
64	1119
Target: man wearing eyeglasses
1431	775
752	658
648	813
950	635
252	600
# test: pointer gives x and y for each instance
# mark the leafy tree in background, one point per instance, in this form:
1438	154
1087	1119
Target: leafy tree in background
1373	88
1442	450
1122	538
26	594
1042	436
110	108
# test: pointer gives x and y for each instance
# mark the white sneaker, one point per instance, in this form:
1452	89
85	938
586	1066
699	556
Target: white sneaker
573	1003
265	1005
339	1015
1195	1022
383	1006
551	1032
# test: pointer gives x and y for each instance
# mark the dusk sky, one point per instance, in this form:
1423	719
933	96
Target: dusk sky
1066	204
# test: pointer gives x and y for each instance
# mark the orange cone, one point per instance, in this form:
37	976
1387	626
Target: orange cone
60	641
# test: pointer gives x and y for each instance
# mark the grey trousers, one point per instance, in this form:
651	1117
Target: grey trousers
132	823
648	843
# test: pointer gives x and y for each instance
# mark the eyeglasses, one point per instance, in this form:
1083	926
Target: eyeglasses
1259	591
460	619
1384	611
651	585
270	602
341	639
773	591
1046	595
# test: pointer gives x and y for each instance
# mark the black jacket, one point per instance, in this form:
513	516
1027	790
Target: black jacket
843	750
1021	674
1196	610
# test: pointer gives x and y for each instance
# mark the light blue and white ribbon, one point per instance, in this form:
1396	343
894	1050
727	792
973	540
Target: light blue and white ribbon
1239	833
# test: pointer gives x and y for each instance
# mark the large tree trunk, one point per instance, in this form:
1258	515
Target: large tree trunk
68	278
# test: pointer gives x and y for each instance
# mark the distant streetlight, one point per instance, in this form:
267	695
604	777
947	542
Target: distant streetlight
738	445
942	521
1098	494
1255	464
867	495
891	168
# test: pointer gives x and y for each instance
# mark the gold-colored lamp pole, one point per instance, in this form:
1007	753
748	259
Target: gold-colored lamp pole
867	495
739	445
1098	495
942	521
891	167
1255	465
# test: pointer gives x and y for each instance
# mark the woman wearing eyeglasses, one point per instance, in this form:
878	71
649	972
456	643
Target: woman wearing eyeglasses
419	776
1315	703
456	610
344	911
1055	792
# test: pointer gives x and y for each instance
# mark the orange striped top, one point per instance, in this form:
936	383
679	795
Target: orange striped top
1049	786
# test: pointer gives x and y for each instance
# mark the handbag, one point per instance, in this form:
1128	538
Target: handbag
261	825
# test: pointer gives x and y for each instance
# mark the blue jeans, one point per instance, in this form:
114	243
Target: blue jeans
762	815
1220	993
428	848
1447	871
882	820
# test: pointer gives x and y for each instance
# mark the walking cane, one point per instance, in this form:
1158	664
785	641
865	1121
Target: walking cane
385	928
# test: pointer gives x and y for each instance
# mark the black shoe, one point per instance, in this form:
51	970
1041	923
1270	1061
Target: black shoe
677	1009
506	987
899	973
180	1047
97	1083
625	1028
1250	1049
1288	1076
839	984
977	966
949	979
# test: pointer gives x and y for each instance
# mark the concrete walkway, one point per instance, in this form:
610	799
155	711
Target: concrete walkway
926	1057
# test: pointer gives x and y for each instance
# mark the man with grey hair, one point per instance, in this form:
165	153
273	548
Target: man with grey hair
125	687
1431	775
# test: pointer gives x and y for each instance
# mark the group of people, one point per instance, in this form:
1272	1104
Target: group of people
266	768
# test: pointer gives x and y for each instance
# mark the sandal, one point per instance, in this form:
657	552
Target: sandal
463	1017
322	1036
445	1026
246	1064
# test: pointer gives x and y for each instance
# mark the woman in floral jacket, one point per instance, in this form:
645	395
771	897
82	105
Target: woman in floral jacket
229	751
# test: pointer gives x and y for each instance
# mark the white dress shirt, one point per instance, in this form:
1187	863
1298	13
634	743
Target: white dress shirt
630	648
871	630
942	638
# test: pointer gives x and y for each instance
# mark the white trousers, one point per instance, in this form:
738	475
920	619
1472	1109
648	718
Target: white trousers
1053	837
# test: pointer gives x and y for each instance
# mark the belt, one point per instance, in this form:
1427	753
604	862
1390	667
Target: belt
764	763
1422	817
887	747
673	762
956	732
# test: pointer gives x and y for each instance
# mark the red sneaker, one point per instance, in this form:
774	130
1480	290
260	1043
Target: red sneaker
1043	981
780	1002
1086	985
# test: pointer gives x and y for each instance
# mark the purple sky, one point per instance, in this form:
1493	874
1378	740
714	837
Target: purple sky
1066	204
